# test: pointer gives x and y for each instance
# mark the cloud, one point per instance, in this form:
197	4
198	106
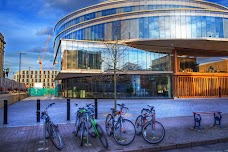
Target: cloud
70	5
45	31
221	2
36	50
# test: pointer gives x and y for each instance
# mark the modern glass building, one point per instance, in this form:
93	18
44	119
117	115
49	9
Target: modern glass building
158	47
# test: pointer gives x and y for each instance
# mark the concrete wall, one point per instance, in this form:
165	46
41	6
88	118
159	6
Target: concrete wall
12	98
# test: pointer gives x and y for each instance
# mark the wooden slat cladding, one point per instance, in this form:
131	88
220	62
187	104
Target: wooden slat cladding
201	86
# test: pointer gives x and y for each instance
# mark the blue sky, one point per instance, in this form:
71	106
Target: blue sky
26	24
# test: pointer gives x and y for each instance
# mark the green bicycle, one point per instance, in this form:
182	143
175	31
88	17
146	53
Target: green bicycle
86	122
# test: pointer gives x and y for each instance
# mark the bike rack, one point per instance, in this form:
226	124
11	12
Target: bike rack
44	138
87	144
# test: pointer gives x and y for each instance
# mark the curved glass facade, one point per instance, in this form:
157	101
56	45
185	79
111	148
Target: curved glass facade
152	19
80	36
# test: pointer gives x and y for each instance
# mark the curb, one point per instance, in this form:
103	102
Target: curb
181	145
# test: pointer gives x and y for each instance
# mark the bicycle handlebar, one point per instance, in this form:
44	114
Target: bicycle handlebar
149	111
122	106
151	107
49	106
44	112
90	104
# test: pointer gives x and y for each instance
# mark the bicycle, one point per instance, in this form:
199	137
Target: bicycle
52	129
86	122
153	131
123	130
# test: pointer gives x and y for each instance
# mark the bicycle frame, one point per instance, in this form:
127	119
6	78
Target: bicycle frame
94	123
152	115
119	121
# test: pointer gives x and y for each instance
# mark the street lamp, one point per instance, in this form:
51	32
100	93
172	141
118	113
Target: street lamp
30	77
20	75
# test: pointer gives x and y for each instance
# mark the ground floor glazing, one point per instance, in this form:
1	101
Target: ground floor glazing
128	86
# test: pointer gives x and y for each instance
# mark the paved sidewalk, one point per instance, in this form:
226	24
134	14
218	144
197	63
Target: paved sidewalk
23	133
179	134
23	113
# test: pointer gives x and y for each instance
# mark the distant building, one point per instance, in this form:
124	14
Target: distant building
2	43
29	77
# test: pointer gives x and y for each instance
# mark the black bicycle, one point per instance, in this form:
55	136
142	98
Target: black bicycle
52	129
152	130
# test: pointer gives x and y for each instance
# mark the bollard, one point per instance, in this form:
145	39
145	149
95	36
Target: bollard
5	111
38	111
95	100
220	92
68	109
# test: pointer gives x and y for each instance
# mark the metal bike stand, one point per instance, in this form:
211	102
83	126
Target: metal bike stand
44	138
87	144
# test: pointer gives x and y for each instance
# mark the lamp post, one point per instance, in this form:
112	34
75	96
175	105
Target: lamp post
30	77
20	75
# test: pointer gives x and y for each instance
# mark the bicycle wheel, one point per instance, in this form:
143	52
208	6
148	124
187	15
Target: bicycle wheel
139	124
124	133
109	124
153	132
102	136
56	137
48	128
82	132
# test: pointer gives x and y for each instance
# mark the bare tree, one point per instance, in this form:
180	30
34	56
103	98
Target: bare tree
115	49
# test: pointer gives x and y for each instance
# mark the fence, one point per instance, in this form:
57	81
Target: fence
202	86
42	91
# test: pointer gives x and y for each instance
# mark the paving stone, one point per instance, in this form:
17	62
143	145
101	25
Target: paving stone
168	147
183	145
198	143
208	142
176	116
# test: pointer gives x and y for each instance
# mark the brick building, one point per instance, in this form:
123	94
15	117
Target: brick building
29	77
2	43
